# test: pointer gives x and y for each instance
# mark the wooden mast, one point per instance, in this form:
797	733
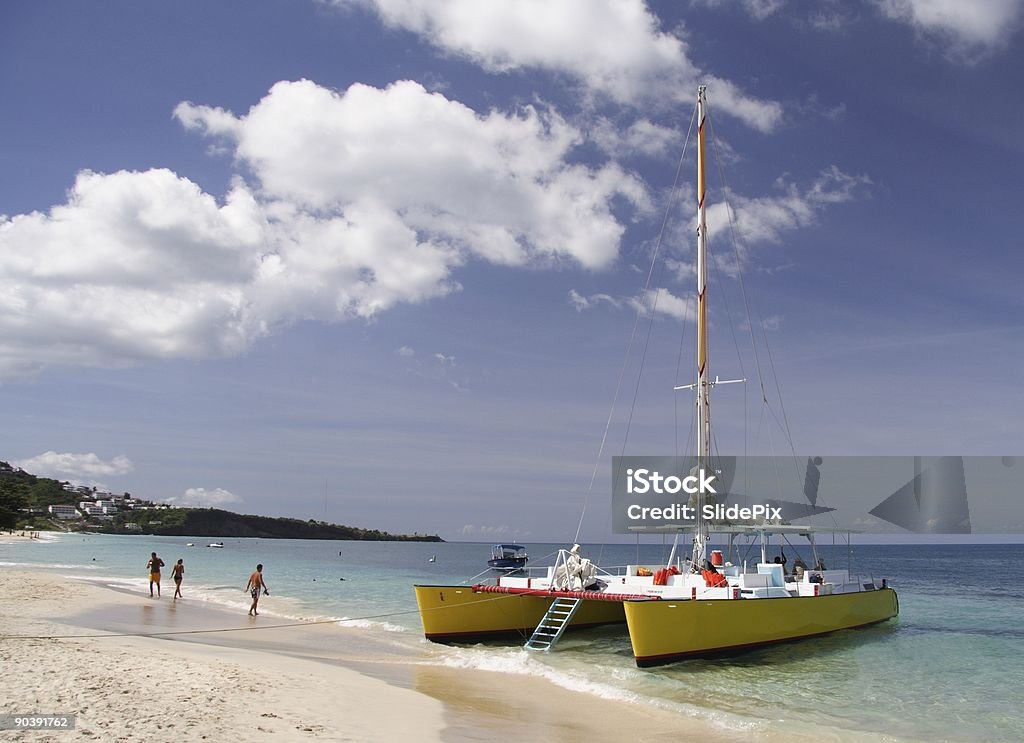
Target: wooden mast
703	378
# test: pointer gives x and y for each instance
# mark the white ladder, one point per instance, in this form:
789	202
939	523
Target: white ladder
553	624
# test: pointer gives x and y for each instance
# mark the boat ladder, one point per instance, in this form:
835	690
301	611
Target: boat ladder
553	624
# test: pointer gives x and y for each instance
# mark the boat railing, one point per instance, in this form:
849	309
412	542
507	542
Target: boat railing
542	571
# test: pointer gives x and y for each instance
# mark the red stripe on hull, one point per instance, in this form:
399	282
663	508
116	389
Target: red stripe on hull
586	595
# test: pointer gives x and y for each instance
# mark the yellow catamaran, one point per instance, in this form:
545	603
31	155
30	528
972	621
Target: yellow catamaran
694	607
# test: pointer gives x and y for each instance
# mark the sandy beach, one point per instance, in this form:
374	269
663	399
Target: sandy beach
71	647
138	688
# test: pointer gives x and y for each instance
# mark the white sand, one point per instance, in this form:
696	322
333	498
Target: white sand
146	689
284	684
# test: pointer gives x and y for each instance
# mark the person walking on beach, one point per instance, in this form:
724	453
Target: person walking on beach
178	572
154	565
254	586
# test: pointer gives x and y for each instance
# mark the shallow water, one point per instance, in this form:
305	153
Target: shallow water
950	668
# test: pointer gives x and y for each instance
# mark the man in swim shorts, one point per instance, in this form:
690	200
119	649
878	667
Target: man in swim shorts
178	572
254	586
154	565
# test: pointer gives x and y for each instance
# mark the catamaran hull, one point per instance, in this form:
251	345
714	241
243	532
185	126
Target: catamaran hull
460	614
668	631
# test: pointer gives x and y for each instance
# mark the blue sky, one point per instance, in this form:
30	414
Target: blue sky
377	261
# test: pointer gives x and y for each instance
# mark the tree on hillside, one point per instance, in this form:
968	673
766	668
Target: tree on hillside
12	499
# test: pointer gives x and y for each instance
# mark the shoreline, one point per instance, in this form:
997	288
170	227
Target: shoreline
219	675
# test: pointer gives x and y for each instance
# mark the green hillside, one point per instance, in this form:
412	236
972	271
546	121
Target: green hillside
22	493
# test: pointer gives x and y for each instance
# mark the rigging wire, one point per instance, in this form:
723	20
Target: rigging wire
636	325
784	425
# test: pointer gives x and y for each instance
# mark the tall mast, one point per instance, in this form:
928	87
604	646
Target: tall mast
703	383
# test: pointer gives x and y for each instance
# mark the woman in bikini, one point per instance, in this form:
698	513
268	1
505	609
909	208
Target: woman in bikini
178	572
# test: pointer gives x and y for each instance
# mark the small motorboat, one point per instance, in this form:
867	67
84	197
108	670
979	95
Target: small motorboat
433	558
190	544
218	545
508	557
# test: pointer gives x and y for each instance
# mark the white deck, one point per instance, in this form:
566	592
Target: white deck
762	580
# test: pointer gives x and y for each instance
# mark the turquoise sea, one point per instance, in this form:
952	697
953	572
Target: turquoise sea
950	668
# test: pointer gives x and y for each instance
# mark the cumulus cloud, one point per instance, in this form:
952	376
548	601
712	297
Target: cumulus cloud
406	352
498	185
134	265
613	48
966	29
642	137
361	200
68	466
203	498
663	302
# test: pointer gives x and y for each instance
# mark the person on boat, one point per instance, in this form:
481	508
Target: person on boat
254	586
821	564
178	572
712	578
799	568
154	565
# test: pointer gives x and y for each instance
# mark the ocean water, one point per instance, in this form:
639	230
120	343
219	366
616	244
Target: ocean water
951	667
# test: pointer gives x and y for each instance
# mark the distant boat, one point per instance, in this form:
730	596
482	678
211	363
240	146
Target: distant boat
190	544
508	557
433	558
218	545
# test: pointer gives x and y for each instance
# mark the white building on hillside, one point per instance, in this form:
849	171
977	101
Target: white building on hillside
62	511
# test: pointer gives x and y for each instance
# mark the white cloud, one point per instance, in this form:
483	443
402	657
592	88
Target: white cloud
134	265
614	48
581	302
203	498
63	466
364	199
498	186
759	9
445	361
642	137
682	271
966	29
405	352
663	302
766	218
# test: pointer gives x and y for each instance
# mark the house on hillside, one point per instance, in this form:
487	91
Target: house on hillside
64	512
